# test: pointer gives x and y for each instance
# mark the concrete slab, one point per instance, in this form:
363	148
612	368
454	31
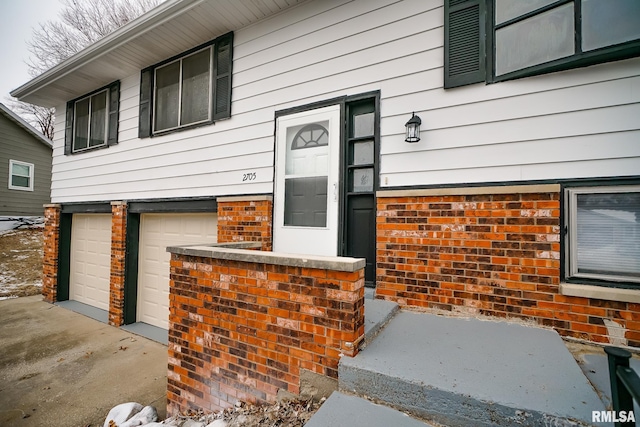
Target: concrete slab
148	331
86	310
463	372
596	368
60	368
346	410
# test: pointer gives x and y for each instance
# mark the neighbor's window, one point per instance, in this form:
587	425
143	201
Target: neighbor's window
493	40
603	225
20	175
191	89
92	120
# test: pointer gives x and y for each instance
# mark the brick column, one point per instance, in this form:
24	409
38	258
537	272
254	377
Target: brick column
52	214
118	251
246	219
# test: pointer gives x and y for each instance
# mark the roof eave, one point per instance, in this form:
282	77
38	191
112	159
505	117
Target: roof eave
157	16
26	126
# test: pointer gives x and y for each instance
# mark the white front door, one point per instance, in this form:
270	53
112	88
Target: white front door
306	184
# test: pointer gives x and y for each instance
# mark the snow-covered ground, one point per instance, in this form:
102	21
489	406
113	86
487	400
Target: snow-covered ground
21	252
13	222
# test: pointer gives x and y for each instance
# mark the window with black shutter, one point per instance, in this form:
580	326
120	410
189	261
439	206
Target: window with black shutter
92	120
464	42
496	40
191	89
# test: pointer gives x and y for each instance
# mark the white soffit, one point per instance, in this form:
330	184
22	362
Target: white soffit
171	28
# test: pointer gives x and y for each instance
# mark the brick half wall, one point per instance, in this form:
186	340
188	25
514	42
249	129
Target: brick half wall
494	254
244	324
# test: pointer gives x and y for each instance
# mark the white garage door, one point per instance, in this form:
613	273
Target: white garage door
90	259
157	231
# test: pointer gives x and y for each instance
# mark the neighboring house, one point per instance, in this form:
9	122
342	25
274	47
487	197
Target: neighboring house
284	122
25	167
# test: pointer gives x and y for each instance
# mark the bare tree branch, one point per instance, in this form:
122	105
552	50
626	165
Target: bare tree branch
40	118
79	24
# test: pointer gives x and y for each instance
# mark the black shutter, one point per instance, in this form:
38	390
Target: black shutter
146	95
222	64
114	112
68	129
464	42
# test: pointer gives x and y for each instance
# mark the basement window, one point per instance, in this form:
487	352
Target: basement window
603	234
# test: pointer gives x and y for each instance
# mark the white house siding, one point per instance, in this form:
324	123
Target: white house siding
576	123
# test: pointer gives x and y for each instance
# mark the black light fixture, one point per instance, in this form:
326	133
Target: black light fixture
413	128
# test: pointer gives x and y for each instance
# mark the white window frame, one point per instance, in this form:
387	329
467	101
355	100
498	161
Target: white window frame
155	91
106	122
11	175
571	222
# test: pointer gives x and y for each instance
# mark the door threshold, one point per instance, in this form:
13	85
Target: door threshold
369	293
151	332
86	310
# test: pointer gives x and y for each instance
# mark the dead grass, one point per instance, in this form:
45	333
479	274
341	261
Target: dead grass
21	253
286	413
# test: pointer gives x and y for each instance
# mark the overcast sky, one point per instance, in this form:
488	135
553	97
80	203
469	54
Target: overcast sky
17	20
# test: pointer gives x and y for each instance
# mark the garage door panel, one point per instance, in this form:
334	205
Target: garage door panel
157	231
90	259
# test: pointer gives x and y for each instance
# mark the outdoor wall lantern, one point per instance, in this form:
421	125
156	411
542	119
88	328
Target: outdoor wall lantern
413	128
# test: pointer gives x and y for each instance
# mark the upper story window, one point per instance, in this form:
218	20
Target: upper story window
603	234
495	40
20	175
92	120
189	90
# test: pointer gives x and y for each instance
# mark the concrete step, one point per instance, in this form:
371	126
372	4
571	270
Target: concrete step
345	410
377	313
461	372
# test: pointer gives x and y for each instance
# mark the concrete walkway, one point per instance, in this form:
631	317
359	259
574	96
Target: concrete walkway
60	368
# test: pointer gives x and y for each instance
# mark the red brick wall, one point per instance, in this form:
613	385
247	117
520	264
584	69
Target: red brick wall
245	220
243	331
50	261
487	254
118	252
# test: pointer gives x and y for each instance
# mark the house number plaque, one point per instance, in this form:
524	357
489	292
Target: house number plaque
250	176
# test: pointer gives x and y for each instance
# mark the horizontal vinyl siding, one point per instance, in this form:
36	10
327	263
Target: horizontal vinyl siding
18	144
563	125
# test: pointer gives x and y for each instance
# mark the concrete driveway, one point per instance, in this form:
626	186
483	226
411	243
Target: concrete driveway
60	368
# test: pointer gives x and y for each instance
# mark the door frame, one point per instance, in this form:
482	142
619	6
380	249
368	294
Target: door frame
343	102
64	241
135	208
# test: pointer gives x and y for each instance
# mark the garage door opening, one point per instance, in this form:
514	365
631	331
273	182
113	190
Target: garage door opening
90	265
157	231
